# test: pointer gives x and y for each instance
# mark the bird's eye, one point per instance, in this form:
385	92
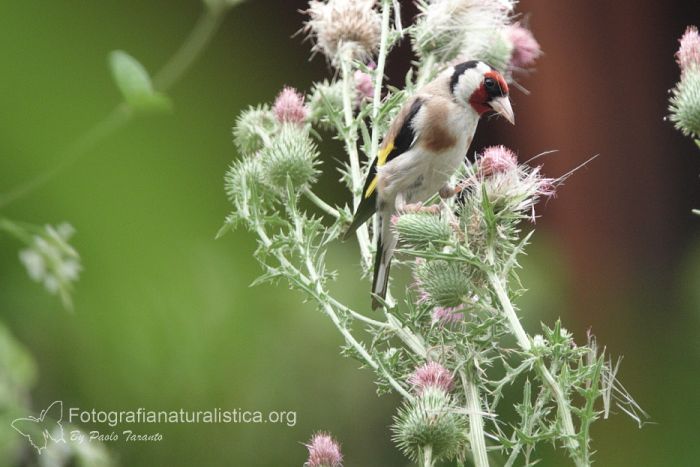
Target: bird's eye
490	83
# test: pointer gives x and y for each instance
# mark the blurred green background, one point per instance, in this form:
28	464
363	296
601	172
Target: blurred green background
164	316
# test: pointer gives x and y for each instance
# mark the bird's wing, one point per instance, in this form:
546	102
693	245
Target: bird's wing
399	139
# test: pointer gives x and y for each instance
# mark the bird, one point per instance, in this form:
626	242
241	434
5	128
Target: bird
425	145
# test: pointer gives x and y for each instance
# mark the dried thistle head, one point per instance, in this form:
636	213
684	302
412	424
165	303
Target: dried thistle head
347	26
451	28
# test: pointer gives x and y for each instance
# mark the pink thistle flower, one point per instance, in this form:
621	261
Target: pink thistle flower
364	88
289	106
526	49
324	451
688	55
431	375
497	159
448	315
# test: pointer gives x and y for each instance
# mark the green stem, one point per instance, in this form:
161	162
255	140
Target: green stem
379	77
476	421
428	456
193	46
563	406
313	285
327	208
350	135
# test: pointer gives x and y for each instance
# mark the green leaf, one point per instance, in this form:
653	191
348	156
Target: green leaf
135	84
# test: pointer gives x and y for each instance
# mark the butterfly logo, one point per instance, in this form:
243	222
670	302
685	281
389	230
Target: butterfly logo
39	430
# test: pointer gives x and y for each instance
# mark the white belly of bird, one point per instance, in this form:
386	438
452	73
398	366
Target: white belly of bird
418	174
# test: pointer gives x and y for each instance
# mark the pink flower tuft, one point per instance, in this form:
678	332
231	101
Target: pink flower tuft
431	375
526	49
363	86
497	159
289	107
448	315
688	55
324	451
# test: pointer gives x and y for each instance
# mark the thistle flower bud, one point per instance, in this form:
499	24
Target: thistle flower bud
364	88
289	107
50	260
688	55
421	229
430	420
497	159
326	100
525	48
253	128
685	103
431	375
290	156
344	25
324	451
448	28
443	283
243	176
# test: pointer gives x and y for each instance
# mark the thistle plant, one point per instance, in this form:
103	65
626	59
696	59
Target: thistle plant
454	344
685	96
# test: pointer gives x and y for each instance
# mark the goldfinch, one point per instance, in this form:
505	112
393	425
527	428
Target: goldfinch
425	145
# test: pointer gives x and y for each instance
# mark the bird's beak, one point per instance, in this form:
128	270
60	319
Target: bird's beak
502	107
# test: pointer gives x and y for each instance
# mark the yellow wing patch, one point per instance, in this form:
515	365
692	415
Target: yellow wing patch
381	160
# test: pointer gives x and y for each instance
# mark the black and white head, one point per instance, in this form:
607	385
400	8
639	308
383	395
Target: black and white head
477	85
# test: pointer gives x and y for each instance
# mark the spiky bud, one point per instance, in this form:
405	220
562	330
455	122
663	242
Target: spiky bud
430	420
421	229
685	103
443	283
244	178
326	100
324	451
254	128
290	156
